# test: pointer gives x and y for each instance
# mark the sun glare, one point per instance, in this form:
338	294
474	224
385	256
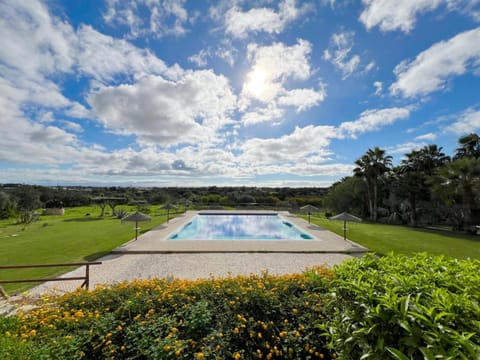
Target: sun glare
256	82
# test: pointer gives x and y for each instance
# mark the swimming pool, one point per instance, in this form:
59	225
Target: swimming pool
239	227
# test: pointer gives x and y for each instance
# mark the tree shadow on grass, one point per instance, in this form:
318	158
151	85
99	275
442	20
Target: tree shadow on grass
85	219
450	234
95	256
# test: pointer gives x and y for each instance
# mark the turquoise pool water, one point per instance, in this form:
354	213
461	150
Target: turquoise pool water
239	227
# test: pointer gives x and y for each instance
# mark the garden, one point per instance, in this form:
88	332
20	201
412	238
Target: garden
390	307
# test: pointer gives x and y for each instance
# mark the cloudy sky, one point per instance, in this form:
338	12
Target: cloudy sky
265	93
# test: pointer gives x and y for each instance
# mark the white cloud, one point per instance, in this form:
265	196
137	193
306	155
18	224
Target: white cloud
302	99
303	142
78	111
72	126
466	123
241	23
272	66
270	113
405	147
393	15
426	137
432	68
339	53
35	47
166	112
226	51
370	66
372	120
402	15
378	87
200	58
148	17
105	58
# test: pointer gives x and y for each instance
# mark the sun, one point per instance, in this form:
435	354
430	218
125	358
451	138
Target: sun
256	83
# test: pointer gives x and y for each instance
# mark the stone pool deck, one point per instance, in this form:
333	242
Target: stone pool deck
155	241
153	256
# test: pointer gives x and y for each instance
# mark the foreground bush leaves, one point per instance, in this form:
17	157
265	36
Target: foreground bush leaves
401	307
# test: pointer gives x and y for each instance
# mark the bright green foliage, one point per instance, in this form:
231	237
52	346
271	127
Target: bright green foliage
401	307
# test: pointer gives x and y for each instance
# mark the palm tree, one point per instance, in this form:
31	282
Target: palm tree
469	146
414	171
372	167
459	182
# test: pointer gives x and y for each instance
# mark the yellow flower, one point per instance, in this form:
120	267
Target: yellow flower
119	328
200	355
237	356
7	334
123	348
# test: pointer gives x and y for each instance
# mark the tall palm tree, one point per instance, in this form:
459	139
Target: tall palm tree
372	167
414	171
459	182
469	146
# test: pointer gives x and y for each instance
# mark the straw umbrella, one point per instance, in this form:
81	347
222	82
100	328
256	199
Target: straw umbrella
136	217
310	209
168	207
345	217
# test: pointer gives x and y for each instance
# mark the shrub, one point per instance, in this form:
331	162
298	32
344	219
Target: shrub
121	213
399	307
248	317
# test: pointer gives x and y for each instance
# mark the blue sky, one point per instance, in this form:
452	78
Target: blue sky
259	93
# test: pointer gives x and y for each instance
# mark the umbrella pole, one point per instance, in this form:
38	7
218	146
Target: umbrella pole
309	217
345	230
136	230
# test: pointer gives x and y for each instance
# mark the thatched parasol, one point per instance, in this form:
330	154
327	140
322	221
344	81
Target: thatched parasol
310	209
345	217
168	207
136	217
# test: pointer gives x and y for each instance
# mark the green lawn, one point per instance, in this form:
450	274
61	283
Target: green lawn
73	237
383	239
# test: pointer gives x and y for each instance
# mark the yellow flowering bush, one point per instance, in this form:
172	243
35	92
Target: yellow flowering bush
243	317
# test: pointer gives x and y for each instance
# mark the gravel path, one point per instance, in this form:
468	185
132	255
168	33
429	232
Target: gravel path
120	267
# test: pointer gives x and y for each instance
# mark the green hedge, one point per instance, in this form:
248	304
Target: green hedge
394	307
400	307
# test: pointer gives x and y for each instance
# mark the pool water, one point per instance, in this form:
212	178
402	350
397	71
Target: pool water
239	227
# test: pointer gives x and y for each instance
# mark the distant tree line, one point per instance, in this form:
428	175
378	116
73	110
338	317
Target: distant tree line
426	188
17	200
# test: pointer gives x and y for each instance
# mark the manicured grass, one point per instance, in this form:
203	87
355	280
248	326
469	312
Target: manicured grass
383	239
73	237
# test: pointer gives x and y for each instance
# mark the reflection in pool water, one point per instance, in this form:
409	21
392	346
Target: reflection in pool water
239	227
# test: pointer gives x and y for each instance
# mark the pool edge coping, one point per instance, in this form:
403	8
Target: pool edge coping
155	241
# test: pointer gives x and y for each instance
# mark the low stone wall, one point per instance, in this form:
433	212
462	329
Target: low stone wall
54	211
